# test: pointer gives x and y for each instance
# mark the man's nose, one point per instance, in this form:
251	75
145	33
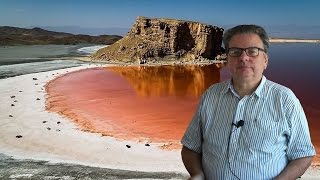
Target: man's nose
243	56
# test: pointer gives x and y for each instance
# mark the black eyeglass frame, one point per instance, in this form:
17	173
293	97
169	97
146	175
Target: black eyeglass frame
245	50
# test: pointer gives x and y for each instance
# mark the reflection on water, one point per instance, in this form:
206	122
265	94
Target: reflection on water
169	80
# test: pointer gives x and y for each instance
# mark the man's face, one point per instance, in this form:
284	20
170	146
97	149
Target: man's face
244	67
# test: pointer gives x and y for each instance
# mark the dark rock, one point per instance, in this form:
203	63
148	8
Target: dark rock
48	128
10	115
12	104
44	121
34	78
128	146
147	144
12	96
18	136
38	99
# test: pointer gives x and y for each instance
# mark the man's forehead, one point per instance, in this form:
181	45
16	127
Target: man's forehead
246	38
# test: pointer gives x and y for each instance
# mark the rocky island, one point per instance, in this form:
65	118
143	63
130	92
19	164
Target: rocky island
153	40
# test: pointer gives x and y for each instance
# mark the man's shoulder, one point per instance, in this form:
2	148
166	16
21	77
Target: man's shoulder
218	87
278	89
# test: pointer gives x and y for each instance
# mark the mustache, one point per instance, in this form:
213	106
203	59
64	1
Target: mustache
243	65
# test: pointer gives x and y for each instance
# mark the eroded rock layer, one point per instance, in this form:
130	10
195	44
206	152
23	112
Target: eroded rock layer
158	39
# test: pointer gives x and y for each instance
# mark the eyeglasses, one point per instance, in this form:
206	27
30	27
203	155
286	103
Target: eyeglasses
250	51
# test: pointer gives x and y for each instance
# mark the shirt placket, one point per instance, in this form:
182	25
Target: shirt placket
235	133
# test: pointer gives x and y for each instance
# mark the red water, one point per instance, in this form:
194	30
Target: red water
152	104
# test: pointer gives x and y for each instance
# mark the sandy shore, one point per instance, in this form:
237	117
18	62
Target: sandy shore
28	131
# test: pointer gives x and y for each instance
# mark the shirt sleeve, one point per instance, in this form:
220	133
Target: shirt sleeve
192	138
299	144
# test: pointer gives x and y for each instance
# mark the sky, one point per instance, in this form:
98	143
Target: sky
121	14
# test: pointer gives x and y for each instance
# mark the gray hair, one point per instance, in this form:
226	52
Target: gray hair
246	29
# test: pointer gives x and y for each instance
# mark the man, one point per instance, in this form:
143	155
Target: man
247	127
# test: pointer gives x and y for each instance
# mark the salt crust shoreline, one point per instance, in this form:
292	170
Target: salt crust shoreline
59	140
49	136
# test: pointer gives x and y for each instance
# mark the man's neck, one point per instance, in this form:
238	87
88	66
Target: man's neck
245	87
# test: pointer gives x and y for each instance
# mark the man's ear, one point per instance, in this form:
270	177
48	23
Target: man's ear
266	60
227	63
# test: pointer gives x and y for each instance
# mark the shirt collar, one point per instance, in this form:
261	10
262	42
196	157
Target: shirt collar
229	86
258	91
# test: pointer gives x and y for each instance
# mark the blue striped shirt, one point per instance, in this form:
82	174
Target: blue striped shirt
275	131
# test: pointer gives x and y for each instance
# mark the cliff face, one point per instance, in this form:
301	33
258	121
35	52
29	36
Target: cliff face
164	39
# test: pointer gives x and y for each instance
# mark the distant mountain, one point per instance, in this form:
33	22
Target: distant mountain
87	30
7	31
23	36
